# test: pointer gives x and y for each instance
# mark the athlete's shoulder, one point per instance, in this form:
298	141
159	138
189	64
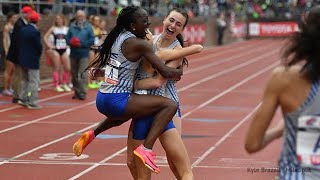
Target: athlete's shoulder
137	43
282	76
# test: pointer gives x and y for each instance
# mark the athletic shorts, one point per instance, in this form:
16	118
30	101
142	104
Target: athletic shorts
142	126
61	51
112	104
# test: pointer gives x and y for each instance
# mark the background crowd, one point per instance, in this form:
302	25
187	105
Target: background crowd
242	8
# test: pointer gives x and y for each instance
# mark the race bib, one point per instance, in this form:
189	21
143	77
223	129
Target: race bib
112	72
61	44
141	91
308	141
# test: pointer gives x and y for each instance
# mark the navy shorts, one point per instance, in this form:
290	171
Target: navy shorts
142	126
112	104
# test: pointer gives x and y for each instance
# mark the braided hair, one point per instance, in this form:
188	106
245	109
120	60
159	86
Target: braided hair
305	45
124	20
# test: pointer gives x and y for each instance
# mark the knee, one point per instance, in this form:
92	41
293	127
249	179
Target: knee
187	175
130	164
117	122
172	105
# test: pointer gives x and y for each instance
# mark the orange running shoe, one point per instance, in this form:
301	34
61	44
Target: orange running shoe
147	157
82	143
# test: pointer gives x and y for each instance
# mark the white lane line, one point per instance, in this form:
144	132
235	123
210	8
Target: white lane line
187	72
42	100
227	70
179	90
47	144
228	59
96	165
51	122
55	141
221	140
197	108
46	117
228	50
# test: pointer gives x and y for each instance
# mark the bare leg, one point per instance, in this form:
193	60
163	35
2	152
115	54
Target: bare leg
141	171
8	73
164	108
130	147
106	124
177	154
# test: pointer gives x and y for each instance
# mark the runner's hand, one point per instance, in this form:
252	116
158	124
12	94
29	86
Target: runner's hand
93	73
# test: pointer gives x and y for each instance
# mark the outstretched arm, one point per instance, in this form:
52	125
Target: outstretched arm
166	55
178	53
133	49
257	135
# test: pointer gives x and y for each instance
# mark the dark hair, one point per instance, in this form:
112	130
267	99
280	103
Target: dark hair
305	45
10	14
124	20
179	36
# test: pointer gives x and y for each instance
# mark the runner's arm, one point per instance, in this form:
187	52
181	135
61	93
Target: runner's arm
146	51
157	80
257	136
168	55
171	54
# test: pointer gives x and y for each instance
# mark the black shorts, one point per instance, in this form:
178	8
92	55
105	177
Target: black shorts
2	60
13	54
61	51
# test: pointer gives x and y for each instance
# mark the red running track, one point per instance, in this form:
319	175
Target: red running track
218	93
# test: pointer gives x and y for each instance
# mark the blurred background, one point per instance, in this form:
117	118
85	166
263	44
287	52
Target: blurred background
234	20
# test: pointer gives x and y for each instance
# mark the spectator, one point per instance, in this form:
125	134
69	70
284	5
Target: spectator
30	50
93	84
221	26
9	66
13	52
80	37
57	52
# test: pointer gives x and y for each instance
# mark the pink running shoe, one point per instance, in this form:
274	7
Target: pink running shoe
147	158
82	143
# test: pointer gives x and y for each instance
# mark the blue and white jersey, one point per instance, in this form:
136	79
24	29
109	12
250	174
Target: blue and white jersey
171	93
161	91
290	163
120	72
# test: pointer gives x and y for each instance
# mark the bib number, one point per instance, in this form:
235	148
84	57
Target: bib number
308	141
112	72
141	91
61	44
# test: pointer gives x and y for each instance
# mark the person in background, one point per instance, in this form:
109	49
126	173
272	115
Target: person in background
93	84
80	37
57	52
295	88
30	50
13	52
9	66
221	27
